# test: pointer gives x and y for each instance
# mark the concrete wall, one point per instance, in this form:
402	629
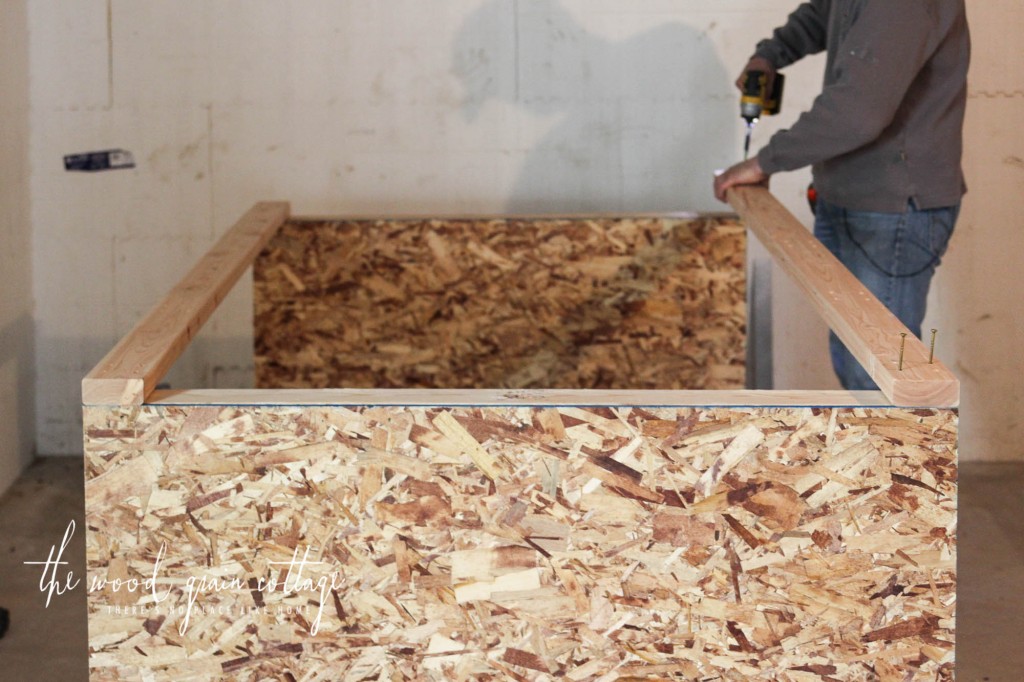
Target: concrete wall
977	300
397	106
16	348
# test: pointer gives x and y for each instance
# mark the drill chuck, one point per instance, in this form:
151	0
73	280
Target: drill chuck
752	96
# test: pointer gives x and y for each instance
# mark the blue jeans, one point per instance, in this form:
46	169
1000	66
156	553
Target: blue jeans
894	255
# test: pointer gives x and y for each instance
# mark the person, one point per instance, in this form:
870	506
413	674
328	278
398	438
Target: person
884	140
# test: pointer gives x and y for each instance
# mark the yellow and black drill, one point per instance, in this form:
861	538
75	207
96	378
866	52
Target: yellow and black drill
757	100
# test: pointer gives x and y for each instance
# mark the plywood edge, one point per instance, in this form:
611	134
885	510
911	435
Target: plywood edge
516	397
871	332
649	215
151	347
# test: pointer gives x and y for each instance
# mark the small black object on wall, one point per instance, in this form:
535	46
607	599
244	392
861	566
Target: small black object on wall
109	159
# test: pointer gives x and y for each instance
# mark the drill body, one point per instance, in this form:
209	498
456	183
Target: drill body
757	100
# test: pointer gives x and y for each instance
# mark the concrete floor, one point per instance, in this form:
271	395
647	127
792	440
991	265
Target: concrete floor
51	643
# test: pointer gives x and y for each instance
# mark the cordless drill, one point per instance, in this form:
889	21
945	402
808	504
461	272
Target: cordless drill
757	100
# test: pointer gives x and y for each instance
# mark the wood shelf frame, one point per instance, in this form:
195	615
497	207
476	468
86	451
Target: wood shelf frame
870	331
504	511
132	369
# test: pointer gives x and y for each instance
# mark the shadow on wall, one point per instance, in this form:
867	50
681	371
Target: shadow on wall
642	122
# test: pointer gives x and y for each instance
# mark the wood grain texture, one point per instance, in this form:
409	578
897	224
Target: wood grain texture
864	324
599	543
137	363
609	303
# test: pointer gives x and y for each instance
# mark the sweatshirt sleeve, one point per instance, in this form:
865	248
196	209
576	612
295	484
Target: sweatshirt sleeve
804	33
884	49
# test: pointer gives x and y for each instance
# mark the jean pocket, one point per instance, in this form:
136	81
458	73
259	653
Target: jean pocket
928	236
901	245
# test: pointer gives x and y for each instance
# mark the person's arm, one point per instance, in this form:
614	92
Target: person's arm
884	50
804	33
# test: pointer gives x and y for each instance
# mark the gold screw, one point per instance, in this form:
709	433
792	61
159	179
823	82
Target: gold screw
903	344
931	355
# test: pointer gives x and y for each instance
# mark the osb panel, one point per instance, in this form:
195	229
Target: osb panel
580	303
521	543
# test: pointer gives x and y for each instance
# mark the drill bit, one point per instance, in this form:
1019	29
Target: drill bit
746	142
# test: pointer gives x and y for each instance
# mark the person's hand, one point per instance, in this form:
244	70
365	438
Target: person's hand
744	173
757	64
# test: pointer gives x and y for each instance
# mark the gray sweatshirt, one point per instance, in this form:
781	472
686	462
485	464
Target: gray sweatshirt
887	127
